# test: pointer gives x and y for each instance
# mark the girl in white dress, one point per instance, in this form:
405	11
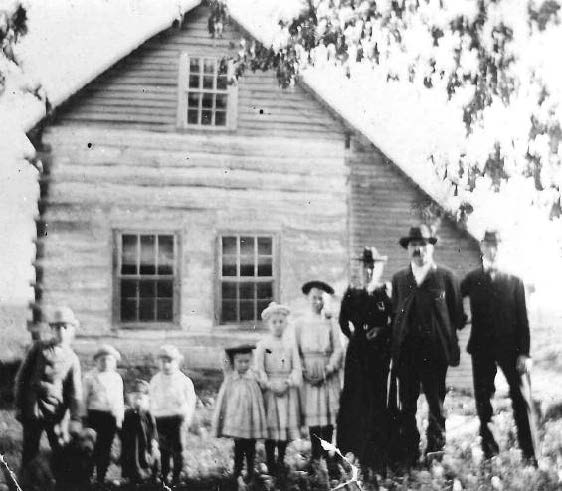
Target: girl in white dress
279	370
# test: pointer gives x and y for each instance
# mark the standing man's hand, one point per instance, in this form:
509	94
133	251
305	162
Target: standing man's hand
524	364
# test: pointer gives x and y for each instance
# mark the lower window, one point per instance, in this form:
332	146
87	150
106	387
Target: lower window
146	277
247	277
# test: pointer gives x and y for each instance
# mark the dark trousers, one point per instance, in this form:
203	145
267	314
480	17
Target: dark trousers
105	426
484	369
270	446
171	437
325	433
415	372
32	431
244	447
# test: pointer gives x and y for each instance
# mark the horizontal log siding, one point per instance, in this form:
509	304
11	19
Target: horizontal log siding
382	209
197	186
141	90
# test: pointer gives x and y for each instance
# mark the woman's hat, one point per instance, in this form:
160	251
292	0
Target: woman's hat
107	349
239	349
275	308
492	237
140	386
370	255
422	233
170	351
317	284
64	315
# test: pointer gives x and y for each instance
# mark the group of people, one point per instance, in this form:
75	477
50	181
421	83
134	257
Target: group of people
402	339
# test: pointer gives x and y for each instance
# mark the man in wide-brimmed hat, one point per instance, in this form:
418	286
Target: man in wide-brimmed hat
361	418
500	337
49	384
428	311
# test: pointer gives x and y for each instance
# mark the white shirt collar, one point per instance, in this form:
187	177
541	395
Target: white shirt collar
420	272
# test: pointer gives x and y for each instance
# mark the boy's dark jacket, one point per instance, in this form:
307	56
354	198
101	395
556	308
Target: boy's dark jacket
499	313
442	314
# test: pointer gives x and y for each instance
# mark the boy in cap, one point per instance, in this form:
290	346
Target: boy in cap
172	402
140	453
47	386
103	398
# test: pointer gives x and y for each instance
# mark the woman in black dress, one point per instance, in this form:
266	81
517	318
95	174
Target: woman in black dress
361	419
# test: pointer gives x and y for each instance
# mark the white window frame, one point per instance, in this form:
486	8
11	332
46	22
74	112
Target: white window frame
183	90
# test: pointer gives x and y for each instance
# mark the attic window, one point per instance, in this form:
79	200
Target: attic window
206	99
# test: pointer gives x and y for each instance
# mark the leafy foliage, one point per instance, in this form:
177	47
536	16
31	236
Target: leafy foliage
12	27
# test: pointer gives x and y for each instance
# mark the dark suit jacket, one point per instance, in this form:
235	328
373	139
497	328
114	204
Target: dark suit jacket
499	313
439	311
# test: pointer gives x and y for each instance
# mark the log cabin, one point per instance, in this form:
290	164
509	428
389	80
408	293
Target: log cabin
175	205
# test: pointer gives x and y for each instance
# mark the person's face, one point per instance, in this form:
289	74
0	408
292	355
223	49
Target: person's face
106	363
316	299
138	401
372	272
168	365
242	362
277	324
489	251
63	333
420	252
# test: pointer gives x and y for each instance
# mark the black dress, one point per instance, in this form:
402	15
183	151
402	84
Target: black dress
362	416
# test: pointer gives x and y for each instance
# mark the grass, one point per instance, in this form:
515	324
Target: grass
209	460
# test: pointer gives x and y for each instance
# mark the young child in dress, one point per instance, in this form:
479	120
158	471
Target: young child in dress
280	374
103	400
172	402
239	411
140	453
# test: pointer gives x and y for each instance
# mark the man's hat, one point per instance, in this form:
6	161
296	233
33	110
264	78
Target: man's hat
492	237
317	284
275	308
170	351
140	386
370	255
107	349
239	349
422	233
64	315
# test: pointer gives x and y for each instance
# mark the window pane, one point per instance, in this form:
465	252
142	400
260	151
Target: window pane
221	101
265	266
208	100
165	310
265	291
247	291
147	289
128	309
129	252
222	82
265	246
194	81
220	118
229	266
129	288
229	290
147	311
206	117
165	254
193	116
147	256
262	305
194	65
247	269
247	311
247	246
193	99
229	245
208	82
209	65
165	289
228	311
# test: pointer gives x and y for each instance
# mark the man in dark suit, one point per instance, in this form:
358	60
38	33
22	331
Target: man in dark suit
500	337
428	311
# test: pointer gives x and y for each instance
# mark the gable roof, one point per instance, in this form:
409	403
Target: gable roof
363	112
